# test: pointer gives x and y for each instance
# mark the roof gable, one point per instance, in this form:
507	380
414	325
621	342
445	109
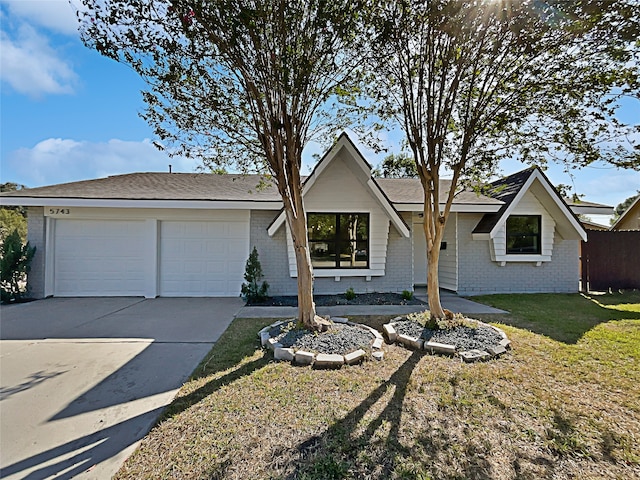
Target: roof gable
511	190
345	149
626	220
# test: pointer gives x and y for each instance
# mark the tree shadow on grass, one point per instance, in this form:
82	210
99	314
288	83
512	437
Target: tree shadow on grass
372	448
562	317
227	355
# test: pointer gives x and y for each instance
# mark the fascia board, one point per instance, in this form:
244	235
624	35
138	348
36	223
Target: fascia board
388	208
276	224
591	210
560	204
128	203
513	204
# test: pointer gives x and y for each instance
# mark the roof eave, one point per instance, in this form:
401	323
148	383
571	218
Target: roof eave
140	203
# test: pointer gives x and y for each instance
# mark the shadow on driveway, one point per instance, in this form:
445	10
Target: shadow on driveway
83	379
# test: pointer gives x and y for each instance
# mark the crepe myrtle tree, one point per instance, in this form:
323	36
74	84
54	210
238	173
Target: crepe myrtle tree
244	82
475	81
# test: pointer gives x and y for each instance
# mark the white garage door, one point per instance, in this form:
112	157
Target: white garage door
204	259
98	258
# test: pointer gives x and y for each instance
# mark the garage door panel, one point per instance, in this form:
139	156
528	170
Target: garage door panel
99	258
203	258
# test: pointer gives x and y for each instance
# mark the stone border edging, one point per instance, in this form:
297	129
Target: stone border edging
447	349
320	360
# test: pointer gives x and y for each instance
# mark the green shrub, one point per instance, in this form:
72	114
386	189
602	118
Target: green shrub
253	291
15	260
451	321
407	295
350	294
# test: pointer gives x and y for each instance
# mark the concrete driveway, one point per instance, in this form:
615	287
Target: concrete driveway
82	380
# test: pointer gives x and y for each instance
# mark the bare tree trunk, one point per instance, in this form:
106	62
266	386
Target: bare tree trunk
434	231
306	305
433	284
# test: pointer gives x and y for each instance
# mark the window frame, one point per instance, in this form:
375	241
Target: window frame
337	242
537	235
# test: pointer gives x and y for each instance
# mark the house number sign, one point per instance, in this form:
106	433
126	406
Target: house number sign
58	212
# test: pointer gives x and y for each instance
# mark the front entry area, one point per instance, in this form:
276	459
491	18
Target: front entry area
448	265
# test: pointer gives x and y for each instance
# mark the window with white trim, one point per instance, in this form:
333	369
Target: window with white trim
339	240
524	235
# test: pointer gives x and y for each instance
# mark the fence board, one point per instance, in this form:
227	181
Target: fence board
611	259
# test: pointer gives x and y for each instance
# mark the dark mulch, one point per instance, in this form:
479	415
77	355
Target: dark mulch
463	337
333	300
340	339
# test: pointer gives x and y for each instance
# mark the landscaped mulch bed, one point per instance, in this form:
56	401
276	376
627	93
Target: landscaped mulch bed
334	300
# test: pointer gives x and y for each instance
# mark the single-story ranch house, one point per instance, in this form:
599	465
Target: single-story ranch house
188	234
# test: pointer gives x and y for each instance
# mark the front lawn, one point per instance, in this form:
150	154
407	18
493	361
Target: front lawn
563	404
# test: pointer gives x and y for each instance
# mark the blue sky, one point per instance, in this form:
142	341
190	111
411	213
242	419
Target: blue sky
69	114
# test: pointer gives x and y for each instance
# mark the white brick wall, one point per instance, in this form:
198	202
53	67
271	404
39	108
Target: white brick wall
478	275
36	235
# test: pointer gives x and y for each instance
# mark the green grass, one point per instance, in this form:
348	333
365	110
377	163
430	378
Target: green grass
564	403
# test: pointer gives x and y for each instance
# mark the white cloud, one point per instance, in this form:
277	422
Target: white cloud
612	186
31	66
57	160
55	15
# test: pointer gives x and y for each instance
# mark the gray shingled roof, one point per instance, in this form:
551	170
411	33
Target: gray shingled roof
409	190
212	187
160	186
504	189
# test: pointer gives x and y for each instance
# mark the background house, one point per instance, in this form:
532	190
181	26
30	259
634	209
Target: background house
630	218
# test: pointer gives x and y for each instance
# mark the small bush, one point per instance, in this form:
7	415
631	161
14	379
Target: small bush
451	321
253	291
15	263
350	294
407	295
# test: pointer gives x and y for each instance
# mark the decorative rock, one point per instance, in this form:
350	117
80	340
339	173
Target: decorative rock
379	355
329	360
390	332
410	341
265	329
272	343
377	343
264	338
304	358
339	319
323	323
440	348
284	354
496	350
505	342
377	334
354	357
473	355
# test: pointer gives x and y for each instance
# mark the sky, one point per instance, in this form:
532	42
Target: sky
68	114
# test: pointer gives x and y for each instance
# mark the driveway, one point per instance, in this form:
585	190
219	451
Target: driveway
82	380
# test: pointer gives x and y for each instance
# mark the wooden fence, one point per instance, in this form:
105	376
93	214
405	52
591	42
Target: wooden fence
610	259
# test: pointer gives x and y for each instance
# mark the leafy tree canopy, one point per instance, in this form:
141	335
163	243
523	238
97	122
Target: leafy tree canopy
397	166
238	82
622	206
472	82
12	217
